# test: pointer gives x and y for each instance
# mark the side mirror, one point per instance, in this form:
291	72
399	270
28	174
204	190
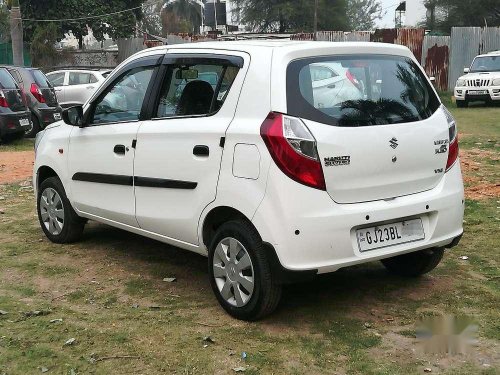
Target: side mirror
466	70
73	115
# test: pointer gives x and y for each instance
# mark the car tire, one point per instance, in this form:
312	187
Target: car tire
35	128
414	264
58	220
236	253
462	103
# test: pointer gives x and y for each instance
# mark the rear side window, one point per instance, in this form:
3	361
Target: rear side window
16	76
40	78
76	78
367	90
6	80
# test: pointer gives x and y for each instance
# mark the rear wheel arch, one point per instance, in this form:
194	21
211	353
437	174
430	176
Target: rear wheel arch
218	216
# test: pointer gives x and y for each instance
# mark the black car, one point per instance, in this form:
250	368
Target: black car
14	114
40	96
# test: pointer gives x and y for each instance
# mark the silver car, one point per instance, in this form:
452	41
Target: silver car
75	86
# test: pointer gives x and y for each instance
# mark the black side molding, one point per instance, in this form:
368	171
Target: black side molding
164	183
113	179
101	178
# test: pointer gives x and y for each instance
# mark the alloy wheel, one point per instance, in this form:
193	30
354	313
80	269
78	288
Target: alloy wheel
233	272
52	211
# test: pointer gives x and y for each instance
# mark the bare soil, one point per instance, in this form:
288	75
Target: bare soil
16	166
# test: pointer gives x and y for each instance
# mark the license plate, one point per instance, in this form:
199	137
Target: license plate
57	116
477	92
24	122
390	234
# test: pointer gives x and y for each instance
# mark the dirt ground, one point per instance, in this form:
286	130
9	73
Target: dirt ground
16	166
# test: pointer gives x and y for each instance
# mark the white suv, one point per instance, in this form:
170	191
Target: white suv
223	149
481	81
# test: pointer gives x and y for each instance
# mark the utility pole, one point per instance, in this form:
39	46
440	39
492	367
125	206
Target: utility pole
16	33
315	26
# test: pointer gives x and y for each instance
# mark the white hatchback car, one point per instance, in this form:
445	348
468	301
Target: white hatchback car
481	81
75	86
248	170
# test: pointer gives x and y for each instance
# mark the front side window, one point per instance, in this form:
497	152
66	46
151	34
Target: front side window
367	90
56	79
196	89
123	99
486	64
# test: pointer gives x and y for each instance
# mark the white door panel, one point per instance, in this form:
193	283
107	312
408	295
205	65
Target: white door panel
101	179
186	183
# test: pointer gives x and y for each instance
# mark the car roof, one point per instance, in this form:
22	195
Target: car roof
292	45
492	53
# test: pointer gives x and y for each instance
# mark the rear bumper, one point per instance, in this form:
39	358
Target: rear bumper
311	232
9	122
461	93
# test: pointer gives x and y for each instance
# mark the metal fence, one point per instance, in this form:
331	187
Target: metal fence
436	59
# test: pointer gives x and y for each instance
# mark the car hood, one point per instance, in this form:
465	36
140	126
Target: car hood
482	75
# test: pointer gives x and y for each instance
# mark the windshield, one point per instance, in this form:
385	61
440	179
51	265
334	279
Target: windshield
6	80
486	64
360	90
40	78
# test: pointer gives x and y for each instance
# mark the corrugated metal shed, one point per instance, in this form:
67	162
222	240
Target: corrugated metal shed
435	59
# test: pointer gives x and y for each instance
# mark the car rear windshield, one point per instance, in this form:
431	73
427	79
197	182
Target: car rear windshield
40	78
6	80
486	64
359	90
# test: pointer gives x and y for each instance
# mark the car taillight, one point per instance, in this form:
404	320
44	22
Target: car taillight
353	79
3	100
293	149
35	91
453	139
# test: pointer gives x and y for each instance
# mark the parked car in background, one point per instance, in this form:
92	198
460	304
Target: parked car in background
481	81
252	171
40	97
14	114
75	86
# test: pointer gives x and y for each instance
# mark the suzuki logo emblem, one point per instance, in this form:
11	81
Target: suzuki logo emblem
393	143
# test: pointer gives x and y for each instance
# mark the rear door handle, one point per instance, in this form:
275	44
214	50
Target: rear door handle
201	150
120	149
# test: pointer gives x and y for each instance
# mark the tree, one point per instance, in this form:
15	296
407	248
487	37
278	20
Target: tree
362	14
292	15
4	24
16	34
449	13
181	16
151	17
115	25
43	52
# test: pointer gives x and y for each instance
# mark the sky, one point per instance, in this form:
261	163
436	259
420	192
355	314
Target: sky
388	7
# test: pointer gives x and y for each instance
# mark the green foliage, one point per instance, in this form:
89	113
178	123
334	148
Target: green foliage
451	13
4	24
292	15
116	25
362	14
42	47
181	16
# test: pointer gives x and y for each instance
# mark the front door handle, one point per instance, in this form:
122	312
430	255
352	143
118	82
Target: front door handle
120	149
201	150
